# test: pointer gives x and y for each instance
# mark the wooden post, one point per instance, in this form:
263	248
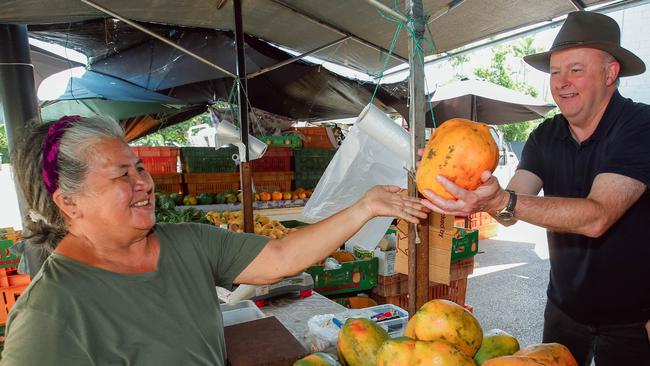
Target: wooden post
418	243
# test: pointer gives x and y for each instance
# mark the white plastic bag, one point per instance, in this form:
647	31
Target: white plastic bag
375	151
322	333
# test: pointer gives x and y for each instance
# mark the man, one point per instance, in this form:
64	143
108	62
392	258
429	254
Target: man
593	163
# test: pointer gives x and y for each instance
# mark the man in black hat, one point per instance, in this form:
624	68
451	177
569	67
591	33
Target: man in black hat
593	163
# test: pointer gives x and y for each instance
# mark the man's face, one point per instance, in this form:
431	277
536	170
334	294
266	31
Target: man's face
580	78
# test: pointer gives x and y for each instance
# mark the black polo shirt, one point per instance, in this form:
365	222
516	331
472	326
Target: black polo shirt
606	279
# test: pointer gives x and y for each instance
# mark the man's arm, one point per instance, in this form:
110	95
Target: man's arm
610	197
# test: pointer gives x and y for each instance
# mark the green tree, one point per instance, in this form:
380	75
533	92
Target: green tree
4	144
500	73
457	63
172	135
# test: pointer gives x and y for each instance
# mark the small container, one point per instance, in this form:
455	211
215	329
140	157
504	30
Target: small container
240	312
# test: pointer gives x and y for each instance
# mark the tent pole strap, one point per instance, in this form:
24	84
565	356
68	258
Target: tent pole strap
158	37
387	10
294	59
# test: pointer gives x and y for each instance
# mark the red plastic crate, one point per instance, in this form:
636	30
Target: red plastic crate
198	183
168	182
456	292
275	159
157	159
317	137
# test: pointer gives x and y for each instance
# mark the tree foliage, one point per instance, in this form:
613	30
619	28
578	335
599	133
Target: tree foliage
499	72
4	144
175	135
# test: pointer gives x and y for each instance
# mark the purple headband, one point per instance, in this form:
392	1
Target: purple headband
49	169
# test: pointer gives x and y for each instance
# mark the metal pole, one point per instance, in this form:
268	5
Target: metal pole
17	87
156	36
388	10
294	59
245	168
418	281
19	104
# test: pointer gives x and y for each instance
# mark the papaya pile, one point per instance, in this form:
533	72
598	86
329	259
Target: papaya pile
440	333
263	225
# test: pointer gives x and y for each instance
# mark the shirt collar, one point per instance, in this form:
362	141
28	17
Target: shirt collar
612	113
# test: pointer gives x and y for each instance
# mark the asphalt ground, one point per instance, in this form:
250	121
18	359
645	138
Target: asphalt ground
508	287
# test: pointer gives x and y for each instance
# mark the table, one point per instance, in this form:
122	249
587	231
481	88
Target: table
294	312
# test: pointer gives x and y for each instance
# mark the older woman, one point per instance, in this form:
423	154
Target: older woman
120	289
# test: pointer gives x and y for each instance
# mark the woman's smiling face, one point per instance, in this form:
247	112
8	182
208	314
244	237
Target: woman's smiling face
117	191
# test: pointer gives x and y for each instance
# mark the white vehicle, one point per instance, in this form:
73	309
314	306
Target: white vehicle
508	161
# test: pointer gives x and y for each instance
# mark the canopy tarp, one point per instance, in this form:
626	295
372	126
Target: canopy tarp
304	25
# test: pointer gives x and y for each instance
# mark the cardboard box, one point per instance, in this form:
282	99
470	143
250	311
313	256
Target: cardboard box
447	244
353	276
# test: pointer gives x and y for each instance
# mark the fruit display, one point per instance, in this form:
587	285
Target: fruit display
230	197
317	359
496	343
441	333
545	354
359	342
460	150
263	225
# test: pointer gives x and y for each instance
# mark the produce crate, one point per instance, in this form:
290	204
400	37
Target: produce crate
208	159
292	141
157	159
272	181
168	183
155	151
306	179
274	160
456	292
397	284
316	137
197	183
7	259
312	159
358	275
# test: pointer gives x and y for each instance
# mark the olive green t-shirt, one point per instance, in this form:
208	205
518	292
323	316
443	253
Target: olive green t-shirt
75	314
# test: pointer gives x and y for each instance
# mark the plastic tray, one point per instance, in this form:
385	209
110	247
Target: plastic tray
240	312
395	326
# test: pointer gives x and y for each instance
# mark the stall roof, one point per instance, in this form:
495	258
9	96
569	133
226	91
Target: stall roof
304	25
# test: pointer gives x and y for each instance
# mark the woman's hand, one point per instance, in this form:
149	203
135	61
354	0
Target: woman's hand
387	201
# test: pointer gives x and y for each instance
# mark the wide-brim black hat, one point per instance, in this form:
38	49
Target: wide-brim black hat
593	30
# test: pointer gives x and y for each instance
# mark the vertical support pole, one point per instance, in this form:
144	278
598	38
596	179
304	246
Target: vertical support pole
17	88
19	104
418	251
245	168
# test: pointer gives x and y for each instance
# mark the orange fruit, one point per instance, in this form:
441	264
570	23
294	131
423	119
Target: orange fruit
286	195
276	196
265	196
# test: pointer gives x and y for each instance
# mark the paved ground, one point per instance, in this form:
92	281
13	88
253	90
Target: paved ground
508	287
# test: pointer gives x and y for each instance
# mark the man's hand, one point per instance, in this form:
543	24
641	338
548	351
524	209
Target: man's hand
488	197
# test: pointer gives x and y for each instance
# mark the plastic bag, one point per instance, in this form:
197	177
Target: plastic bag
374	152
322	333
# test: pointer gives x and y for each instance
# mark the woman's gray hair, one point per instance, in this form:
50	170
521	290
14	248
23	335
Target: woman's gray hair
44	224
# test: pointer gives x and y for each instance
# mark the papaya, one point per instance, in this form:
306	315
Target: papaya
513	361
317	359
460	150
549	354
445	320
358	342
495	343
408	352
396	352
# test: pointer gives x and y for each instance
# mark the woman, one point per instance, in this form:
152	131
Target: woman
119	288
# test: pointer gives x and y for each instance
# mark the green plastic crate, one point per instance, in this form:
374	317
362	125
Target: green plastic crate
7	259
312	159
292	141
306	179
359	275
208	159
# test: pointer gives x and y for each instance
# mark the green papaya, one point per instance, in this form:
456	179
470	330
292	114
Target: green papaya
496	343
317	359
